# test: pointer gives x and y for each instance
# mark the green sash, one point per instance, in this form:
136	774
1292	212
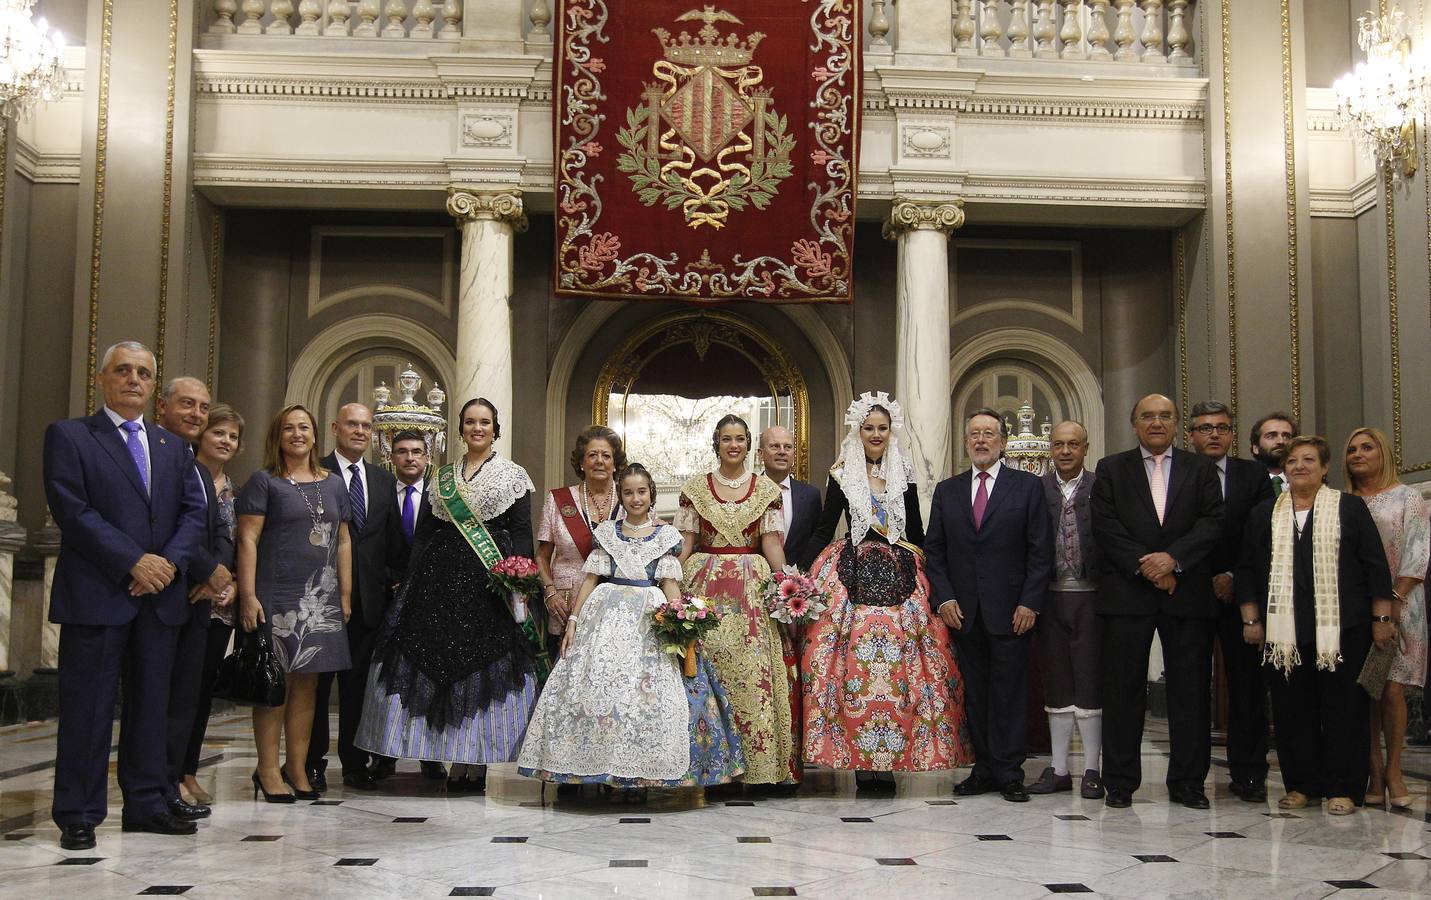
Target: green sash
480	540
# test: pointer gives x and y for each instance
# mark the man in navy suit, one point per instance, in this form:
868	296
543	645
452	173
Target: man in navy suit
800	502
183	409
377	542
1157	515
1244	484
990	559
131	518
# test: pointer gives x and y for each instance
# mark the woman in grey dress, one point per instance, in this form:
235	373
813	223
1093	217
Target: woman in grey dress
294	565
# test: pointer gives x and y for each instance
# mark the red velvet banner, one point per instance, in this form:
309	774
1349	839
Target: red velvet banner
707	153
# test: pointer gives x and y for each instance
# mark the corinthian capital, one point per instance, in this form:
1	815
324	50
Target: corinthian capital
499	206
923	215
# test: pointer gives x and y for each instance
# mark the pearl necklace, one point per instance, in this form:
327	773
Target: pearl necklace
603	510
734	484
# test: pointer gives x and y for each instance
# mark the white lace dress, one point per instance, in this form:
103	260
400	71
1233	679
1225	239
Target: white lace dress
615	709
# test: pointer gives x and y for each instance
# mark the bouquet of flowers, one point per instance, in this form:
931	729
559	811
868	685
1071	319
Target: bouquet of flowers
679	623
793	598
517	577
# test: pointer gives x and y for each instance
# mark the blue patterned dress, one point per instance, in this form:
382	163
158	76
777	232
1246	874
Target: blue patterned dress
616	709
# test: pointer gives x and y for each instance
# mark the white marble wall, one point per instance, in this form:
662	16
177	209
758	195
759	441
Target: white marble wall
12	539
484	315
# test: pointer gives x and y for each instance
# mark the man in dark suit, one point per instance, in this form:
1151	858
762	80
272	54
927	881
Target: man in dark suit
1068	628
1270	436
1157	517
800	501
1244	484
377	536
131	518
183	408
410	462
990	558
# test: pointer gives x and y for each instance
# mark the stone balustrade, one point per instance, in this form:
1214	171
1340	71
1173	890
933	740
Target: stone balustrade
1155	32
417	20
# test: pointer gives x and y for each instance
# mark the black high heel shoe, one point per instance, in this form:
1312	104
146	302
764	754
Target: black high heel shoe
297	794
267	797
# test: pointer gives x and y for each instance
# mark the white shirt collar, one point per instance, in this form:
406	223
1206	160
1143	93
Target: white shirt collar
402	488
1221	465
992	470
1148	454
119	420
1070	481
785	485
344	462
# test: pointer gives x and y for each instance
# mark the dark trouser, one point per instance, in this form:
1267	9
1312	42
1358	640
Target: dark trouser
92	660
1187	658
996	685
352	688
185	684
1246	698
1323	722
1068	654
215	649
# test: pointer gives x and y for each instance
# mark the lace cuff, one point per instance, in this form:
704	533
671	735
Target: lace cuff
772	521
598	563
688	520
669	566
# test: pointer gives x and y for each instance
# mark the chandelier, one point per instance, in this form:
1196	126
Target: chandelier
30	54
1381	99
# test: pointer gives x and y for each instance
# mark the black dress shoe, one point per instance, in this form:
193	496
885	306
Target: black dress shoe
973	786
434	771
1192	798
161	823
1014	792
1118	798
318	776
77	837
1251	791
383	768
189	812
360	779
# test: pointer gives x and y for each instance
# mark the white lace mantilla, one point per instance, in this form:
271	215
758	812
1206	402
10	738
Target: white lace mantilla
849	470
498	485
632	556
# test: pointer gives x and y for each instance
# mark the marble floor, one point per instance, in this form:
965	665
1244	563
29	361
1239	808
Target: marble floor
410	840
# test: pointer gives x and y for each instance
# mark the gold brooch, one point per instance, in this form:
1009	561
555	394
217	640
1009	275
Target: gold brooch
568	510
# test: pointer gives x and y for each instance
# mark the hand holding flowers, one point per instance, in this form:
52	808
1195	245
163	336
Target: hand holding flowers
680	622
792	598
518	577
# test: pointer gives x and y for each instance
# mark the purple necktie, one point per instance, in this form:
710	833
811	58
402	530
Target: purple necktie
136	450
409	514
981	500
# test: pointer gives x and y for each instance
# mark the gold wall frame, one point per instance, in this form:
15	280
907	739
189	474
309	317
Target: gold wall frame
701	328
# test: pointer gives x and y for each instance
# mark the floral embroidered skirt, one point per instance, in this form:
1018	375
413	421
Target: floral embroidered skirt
755	662
617	711
882	691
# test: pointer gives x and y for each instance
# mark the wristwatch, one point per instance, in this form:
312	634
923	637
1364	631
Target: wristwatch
1381	619
1251	621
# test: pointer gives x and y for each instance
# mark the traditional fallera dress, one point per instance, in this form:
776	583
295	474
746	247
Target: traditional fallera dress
750	651
453	677
881	689
616	710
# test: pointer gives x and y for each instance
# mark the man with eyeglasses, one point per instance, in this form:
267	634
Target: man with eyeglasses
1157	517
1270	436
1244	485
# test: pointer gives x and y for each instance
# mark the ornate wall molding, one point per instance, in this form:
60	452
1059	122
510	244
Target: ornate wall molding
1231	234
469	205
216	252
1072	317
97	213
1289	137
321	357
167	207
920	215
319	301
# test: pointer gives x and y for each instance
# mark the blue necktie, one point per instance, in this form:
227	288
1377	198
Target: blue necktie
136	450
356	499
409	514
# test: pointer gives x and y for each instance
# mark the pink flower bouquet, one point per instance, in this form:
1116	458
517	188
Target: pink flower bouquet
679	623
793	598
517	577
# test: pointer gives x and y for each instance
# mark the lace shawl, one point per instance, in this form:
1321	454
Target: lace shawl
614	555
850	473
491	492
729	520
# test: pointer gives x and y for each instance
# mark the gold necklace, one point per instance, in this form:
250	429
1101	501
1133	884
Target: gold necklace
603	510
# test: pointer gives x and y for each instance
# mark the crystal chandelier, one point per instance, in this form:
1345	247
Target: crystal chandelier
30	59
1381	99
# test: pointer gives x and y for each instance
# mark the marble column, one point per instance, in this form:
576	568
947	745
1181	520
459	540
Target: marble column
46	542
489	221
921	380
12	540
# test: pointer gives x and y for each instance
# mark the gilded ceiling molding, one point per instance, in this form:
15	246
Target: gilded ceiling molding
216	250
101	144
1289	138
1393	314
166	214
1231	237
5	128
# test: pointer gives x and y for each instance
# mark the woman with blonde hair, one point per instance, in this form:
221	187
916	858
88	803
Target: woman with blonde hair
1400	515
294	576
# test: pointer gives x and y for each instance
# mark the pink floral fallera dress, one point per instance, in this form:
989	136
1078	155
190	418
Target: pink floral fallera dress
1400	515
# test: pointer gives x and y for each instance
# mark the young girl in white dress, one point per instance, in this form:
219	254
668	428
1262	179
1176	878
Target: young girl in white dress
616	709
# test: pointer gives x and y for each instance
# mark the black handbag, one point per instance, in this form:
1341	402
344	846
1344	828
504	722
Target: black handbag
251	675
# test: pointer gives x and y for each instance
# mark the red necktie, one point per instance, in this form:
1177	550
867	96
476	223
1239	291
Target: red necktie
981	500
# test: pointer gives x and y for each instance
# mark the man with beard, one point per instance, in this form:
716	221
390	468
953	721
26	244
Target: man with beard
1244	485
1270	435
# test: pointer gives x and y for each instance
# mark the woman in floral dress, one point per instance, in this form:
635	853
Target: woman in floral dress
882	690
732	528
1400	515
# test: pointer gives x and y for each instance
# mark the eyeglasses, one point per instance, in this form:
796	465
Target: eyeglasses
986	435
1205	429
1156	417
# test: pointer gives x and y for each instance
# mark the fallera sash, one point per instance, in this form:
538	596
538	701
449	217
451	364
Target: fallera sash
575	522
